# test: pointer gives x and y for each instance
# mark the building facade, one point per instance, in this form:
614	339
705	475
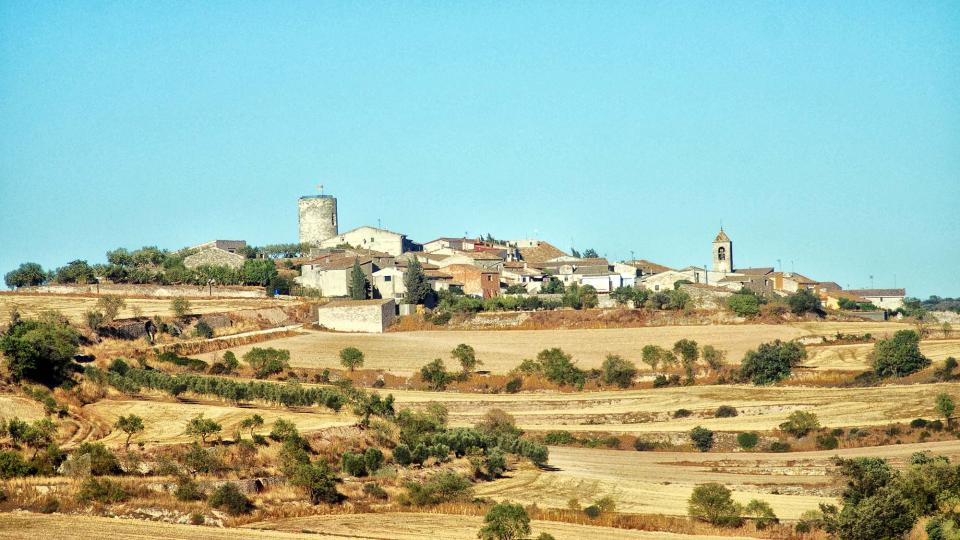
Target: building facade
722	253
318	219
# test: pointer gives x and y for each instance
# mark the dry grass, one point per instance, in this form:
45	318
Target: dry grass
502	350
74	307
20	407
855	357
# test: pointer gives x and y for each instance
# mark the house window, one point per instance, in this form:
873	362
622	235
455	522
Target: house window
721	253
387	278
656	287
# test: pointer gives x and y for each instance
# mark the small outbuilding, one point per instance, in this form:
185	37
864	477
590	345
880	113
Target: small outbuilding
371	316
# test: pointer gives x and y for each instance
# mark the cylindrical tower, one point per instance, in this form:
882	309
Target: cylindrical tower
318	219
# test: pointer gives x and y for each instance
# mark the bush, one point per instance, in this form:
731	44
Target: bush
772	362
898	356
49	505
804	301
744	305
102	490
188	490
505	521
353	464
725	411
436	375
593	511
203	330
712	503
119	367
268	361
558	368
373	459
514	385
402	455
682	413
228	498
40	350
374	490
616	370
642	445
318	480
702	438
443	487
800	423
559	438
12	465
748	440
762	514
102	460
779	447
827	442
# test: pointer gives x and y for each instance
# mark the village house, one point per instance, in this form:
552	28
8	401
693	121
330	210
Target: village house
891	299
372	238
476	281
571	270
831	299
371	316
330	274
214	256
791	282
646	268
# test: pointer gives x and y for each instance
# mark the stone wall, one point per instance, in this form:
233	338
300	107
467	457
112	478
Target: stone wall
214	257
706	297
160	291
372	316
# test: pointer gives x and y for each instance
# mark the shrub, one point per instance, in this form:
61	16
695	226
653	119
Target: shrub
443	487
373	459
804	301
744	305
49	505
505	521
762	513
779	447
40	350
268	361
682	413
203	330
353	464
725	411
827	442
514	385
402	455
199	460
228	498
197	518
712	503
899	355
12	465
642	445
102	460
772	362
616	370
558	368
119	367
374	490
558	438
593	511
318	480
660	381
918	423
748	440
702	438
436	375
102	490
188	490
800	423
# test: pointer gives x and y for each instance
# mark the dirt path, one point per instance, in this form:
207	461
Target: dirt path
661	482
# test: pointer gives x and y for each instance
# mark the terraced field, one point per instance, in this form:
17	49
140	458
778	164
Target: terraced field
855	357
502	350
661	482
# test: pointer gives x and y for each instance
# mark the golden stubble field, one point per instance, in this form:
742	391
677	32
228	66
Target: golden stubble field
650	410
74	307
502	350
661	482
387	526
164	422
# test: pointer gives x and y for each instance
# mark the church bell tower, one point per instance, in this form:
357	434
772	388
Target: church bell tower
722	253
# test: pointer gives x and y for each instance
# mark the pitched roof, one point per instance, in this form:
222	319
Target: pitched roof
878	292
721	236
648	266
799	278
760	271
346	303
342	263
543	252
573	261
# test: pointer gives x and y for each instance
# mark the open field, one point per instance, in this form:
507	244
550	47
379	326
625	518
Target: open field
502	350
661	482
165	421
639	411
407	526
854	357
75	306
22	408
392	526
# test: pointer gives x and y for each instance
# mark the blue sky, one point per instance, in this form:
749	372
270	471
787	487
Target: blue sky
826	135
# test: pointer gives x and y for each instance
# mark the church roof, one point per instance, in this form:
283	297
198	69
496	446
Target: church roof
721	236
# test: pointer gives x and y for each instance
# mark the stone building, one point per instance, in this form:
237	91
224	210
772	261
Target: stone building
372	238
891	299
477	281
331	274
214	256
318	219
372	316
722	253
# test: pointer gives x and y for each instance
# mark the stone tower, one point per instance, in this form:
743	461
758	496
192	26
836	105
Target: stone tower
722	253
318	219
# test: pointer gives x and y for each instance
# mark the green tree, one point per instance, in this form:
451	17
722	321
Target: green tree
899	355
415	282
713	357
252	423
351	358
804	301
945	406
653	355
359	285
616	370
713	503
75	272
40	350
748	440
505	521
772	362
623	294
228	498
267	361
200	427
258	271
26	275
180	306
131	425
467	357
318	480
800	423
558	368
111	305
761	512
702	438
552	285
744	305
436	375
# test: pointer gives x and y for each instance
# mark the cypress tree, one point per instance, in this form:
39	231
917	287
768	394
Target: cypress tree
415	282
358	282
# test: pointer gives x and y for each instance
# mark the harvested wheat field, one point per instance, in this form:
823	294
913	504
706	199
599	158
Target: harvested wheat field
22	408
855	357
639	411
75	306
165	422
408	526
661	482
502	350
